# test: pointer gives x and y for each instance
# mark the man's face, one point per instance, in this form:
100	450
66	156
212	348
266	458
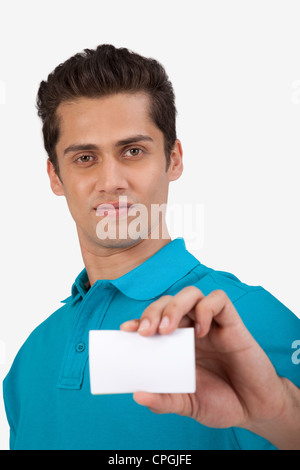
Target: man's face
109	147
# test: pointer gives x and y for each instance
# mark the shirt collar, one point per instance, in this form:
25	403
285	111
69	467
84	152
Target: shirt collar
151	278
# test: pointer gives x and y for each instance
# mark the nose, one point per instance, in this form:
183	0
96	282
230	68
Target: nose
111	176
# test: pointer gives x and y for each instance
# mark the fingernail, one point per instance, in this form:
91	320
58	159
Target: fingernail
197	328
145	324
129	324
164	323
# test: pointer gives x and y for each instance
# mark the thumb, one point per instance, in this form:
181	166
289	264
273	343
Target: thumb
161	402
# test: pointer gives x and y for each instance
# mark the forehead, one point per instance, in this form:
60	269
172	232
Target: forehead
110	116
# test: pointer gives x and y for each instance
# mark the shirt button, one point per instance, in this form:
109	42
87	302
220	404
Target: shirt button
80	347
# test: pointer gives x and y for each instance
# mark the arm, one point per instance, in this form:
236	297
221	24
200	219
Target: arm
284	431
237	384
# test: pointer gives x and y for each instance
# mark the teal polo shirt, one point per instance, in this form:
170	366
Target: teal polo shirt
47	390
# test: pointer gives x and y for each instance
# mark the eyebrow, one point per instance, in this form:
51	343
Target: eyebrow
119	143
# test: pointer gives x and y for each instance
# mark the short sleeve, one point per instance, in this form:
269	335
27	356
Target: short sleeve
274	327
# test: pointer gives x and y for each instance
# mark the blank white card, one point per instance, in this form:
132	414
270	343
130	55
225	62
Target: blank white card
126	362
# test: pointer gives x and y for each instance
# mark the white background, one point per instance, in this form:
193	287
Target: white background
235	67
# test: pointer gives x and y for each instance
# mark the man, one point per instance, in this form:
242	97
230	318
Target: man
109	131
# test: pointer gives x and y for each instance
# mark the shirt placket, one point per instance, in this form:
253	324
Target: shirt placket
90	316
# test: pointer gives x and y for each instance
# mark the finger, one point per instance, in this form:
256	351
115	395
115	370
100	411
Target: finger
151	316
166	313
180	305
150	319
216	307
131	325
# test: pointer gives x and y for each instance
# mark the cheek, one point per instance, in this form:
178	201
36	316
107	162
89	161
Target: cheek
154	187
155	176
77	195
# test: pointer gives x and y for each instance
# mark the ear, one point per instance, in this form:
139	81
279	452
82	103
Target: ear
55	182
176	167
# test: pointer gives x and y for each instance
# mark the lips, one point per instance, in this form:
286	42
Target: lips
112	208
115	204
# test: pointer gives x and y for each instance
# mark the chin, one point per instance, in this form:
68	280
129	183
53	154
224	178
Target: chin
119	243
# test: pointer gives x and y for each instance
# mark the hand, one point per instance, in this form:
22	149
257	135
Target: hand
236	384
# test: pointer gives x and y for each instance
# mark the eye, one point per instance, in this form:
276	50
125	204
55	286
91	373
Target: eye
133	152
84	158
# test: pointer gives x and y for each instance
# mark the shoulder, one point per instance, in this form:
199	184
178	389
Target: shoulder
30	362
271	323
44	334
256	305
210	279
244	296
50	327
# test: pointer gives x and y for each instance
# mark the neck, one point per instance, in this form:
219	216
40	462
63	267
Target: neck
113	262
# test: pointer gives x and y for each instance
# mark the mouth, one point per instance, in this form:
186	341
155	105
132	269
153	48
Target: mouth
113	208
